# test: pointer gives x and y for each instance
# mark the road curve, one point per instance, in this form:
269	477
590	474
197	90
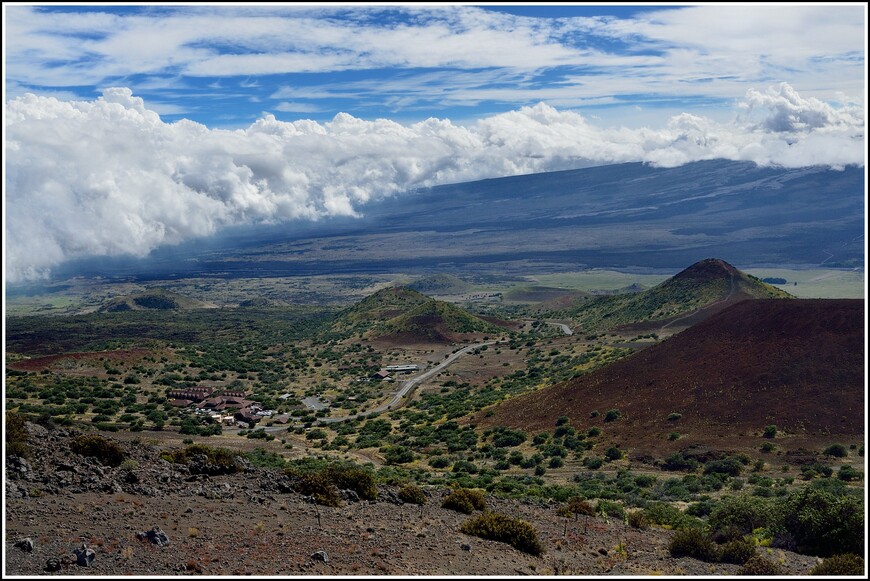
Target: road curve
407	386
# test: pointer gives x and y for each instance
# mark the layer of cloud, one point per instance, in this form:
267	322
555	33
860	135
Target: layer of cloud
109	177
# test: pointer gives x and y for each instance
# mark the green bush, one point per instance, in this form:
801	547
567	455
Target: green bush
660	513
849	474
767	447
846	564
352	477
262	458
397	455
610	508
218	460
694	543
498	527
743	512
593	462
759	565
412	494
439	462
728	466
577	506
465	500
612	415
637	520
318	486
613	453
674	416
836	450
819	522
108	452
16	436
737	552
770	431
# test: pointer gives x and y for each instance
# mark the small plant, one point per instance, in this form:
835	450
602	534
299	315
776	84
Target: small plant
769	431
767	447
760	565
693	543
593	462
674	416
613	453
578	506
192	532
837	451
129	465
637	520
16	435
737	552
610	508
107	452
498	527
612	415
848	564
848	474
673	436
562	420
594	414
465	500
412	494
594	432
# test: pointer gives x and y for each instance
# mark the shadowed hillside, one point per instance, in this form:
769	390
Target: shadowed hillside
798	364
709	285
154	299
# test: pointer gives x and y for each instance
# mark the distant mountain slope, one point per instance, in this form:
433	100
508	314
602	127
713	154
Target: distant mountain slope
617	215
402	314
711	284
440	284
154	299
797	364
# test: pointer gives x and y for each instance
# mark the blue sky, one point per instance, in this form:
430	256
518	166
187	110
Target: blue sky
225	66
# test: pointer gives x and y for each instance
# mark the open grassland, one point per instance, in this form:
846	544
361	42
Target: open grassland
817	283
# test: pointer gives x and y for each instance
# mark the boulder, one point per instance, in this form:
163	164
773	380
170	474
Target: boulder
85	557
155	536
320	556
52	565
25	544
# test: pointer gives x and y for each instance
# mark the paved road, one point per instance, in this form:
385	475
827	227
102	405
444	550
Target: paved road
396	401
565	328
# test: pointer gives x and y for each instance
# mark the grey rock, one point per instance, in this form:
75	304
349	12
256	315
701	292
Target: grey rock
52	565
465	547
349	495
25	544
85	557
320	556
155	536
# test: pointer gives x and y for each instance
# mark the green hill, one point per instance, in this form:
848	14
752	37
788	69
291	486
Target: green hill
710	284
404	314
440	284
152	299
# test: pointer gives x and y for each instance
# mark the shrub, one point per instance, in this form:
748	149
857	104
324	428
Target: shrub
562	420
737	552
439	462
847	564
217	460
661	513
593	462
849	474
556	462
821	523
465	500
16	435
610	509
612	415
108	452
498	527
351	477
742	512
673	436
729	466
674	416
759	565
613	453
318	486
678	461
397	455
263	458
836	450
637	520
769	431
694	543
594	432
767	447
594	414
412	494
577	505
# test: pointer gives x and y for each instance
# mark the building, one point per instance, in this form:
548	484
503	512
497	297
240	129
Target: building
402	368
192	393
381	376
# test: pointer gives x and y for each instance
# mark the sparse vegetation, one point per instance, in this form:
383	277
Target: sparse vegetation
845	564
465	500
412	494
108	452
16	435
694	543
769	431
760	565
498	527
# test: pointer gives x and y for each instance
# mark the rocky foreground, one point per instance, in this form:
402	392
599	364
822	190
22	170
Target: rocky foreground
68	514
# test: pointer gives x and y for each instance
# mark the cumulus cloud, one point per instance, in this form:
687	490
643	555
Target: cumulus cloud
109	177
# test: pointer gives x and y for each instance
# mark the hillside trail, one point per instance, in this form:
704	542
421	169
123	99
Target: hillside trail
698	310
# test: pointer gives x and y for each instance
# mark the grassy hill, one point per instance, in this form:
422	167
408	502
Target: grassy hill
440	284
403	314
796	364
153	299
710	284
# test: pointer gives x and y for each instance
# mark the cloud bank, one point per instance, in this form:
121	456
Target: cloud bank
108	177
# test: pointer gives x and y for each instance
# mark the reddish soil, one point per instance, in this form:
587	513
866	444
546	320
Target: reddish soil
798	364
49	361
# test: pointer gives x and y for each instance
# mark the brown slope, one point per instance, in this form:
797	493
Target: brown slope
798	364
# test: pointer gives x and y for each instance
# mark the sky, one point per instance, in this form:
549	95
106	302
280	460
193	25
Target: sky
127	128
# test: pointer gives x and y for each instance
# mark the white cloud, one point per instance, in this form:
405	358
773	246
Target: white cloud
108	177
